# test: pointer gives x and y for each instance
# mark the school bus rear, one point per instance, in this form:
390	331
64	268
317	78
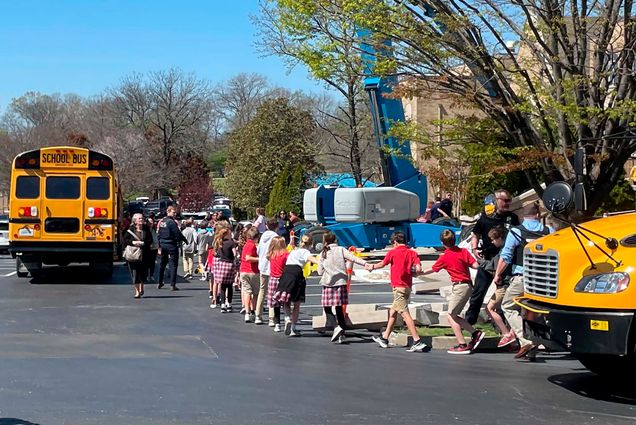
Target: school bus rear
63	209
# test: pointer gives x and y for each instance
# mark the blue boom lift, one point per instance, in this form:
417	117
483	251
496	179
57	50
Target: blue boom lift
367	217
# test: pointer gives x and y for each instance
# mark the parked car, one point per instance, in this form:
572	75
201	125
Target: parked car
4	233
157	207
224	209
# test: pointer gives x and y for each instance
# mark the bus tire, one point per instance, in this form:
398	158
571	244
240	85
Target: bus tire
610	366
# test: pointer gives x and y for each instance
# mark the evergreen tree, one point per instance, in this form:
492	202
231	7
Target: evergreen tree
278	196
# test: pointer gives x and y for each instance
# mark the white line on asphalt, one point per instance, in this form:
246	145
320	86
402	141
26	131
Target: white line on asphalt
10	274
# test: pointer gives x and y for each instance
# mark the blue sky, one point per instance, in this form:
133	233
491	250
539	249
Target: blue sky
86	46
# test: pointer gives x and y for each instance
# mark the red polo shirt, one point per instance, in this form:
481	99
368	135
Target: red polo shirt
402	259
456	261
249	266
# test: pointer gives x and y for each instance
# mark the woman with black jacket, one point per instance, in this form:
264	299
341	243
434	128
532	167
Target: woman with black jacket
139	235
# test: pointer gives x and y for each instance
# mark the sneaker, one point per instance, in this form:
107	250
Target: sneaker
174	288
258	321
460	349
476	339
248	318
294	332
417	347
228	306
223	309
288	327
271	323
341	340
277	328
187	275
159	285
210	296
213	305
203	278
524	350
336	333
382	342
242	310
507	340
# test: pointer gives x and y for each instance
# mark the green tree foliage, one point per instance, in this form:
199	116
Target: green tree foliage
296	190
569	78
279	135
278	197
324	42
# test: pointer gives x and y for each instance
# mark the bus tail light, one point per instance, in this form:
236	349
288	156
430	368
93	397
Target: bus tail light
97	212
28	211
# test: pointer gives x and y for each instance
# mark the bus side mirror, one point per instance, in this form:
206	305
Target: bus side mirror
558	198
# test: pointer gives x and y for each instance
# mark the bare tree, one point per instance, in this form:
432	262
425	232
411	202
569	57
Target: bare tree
173	110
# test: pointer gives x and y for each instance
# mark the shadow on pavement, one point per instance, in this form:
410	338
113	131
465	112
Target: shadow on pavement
164	297
588	384
80	275
15	421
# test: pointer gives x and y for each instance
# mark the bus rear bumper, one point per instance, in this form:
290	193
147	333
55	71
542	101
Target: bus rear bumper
578	331
61	252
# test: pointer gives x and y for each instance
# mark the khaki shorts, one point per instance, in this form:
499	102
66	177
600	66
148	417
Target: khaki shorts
401	299
459	296
497	297
249	282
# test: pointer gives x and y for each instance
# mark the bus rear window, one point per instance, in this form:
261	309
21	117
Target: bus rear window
97	188
62	187
27	187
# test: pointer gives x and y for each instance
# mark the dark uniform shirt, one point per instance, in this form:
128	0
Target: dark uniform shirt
169	232
486	222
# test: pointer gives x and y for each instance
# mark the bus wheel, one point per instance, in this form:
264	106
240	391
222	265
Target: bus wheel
609	365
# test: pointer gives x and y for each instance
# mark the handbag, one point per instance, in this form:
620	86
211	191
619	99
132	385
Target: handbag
132	254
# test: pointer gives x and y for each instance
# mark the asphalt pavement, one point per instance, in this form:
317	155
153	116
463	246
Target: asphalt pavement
76	349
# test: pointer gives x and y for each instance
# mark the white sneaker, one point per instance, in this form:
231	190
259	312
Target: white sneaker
277	328
213	305
294	332
247	318
337	332
258	321
271	323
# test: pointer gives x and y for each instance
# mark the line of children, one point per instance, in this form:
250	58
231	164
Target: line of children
286	284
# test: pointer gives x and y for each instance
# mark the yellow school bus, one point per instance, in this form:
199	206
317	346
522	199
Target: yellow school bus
63	209
579	294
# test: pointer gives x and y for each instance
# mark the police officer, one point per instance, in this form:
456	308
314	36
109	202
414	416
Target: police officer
503	217
170	237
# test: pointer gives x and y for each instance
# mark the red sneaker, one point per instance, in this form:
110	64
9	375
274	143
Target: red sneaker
460	349
507	339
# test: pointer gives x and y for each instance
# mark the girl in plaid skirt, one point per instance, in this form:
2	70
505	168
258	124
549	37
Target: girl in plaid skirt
335	262
225	269
277	256
292	284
